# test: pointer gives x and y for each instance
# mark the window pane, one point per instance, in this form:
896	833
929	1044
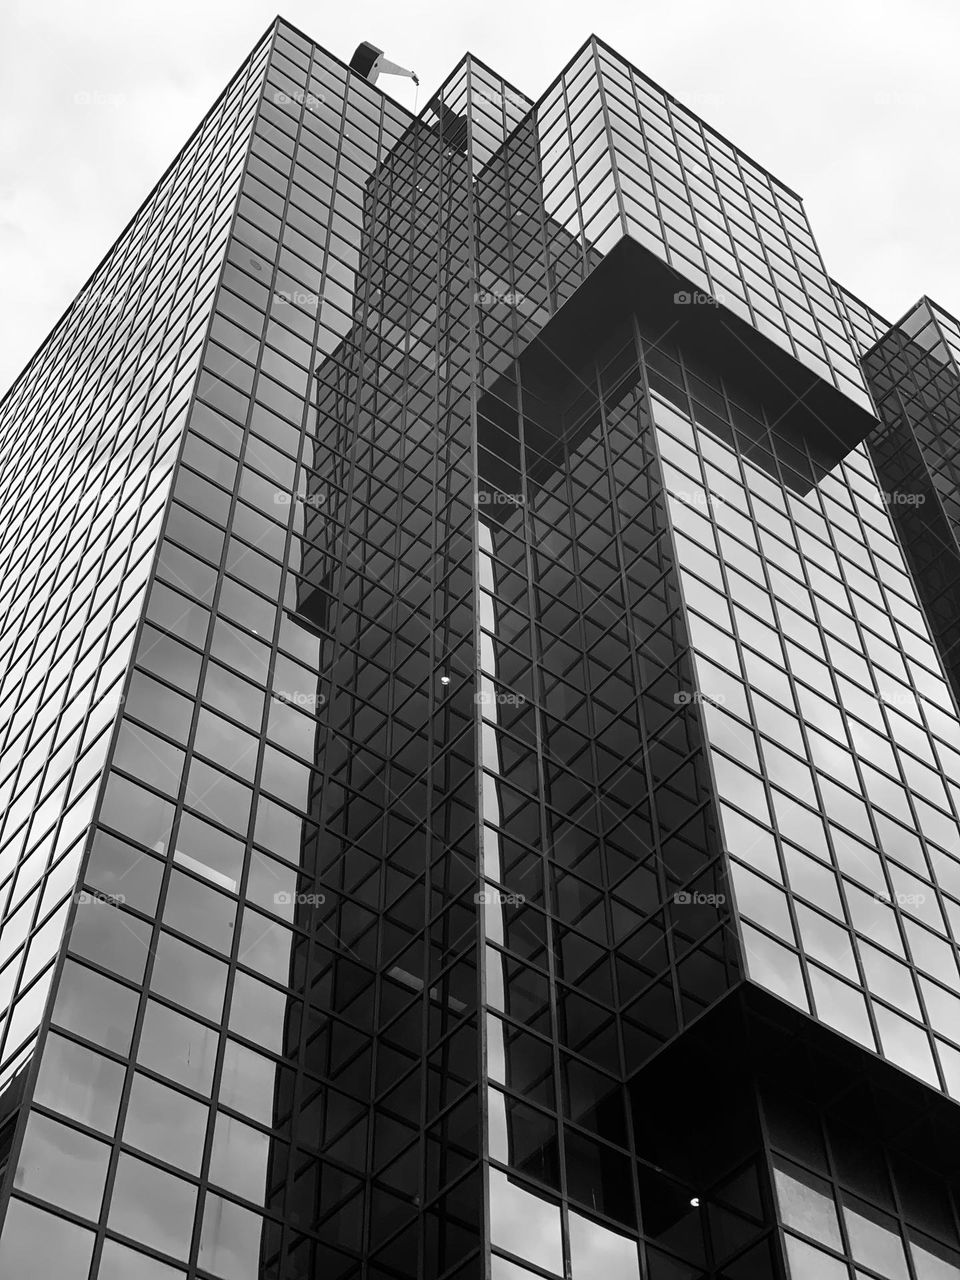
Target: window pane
165	1124
257	1012
525	1224
808	1263
774	967
230	1240
209	852
178	1047
239	1158
137	813
95	1008
762	902
874	1239
248	1083
598	1251
189	977
117	1262
806	1203
152	1206
63	1165
227	745
79	1083
265	946
906	1044
216	796
36	1245
111	938
841	1006
198	910
156	705
126	874
931	1260
147	756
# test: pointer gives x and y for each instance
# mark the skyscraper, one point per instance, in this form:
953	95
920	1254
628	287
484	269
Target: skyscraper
481	784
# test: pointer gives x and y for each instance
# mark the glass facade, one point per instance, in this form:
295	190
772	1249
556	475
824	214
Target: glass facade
88	442
851	1202
481	787
914	373
617	154
833	740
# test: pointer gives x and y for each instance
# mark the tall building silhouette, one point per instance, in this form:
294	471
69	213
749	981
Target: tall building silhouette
480	766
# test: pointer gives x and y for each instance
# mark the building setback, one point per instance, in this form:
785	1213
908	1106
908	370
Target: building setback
479	764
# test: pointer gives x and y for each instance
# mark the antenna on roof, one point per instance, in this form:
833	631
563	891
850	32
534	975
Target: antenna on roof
368	61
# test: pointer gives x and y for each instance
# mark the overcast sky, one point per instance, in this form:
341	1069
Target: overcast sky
852	103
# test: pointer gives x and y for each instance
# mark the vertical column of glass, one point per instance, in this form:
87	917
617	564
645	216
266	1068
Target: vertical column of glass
179	804
605	914
439	271
862	324
455	1226
512	294
578	185
393	1063
133	340
915	379
509	303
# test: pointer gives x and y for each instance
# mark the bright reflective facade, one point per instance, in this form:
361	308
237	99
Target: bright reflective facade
850	755
90	434
524	779
726	224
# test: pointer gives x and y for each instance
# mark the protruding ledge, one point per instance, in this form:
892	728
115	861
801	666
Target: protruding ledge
813	424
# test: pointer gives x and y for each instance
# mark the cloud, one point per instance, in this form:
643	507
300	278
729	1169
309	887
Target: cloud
99	100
